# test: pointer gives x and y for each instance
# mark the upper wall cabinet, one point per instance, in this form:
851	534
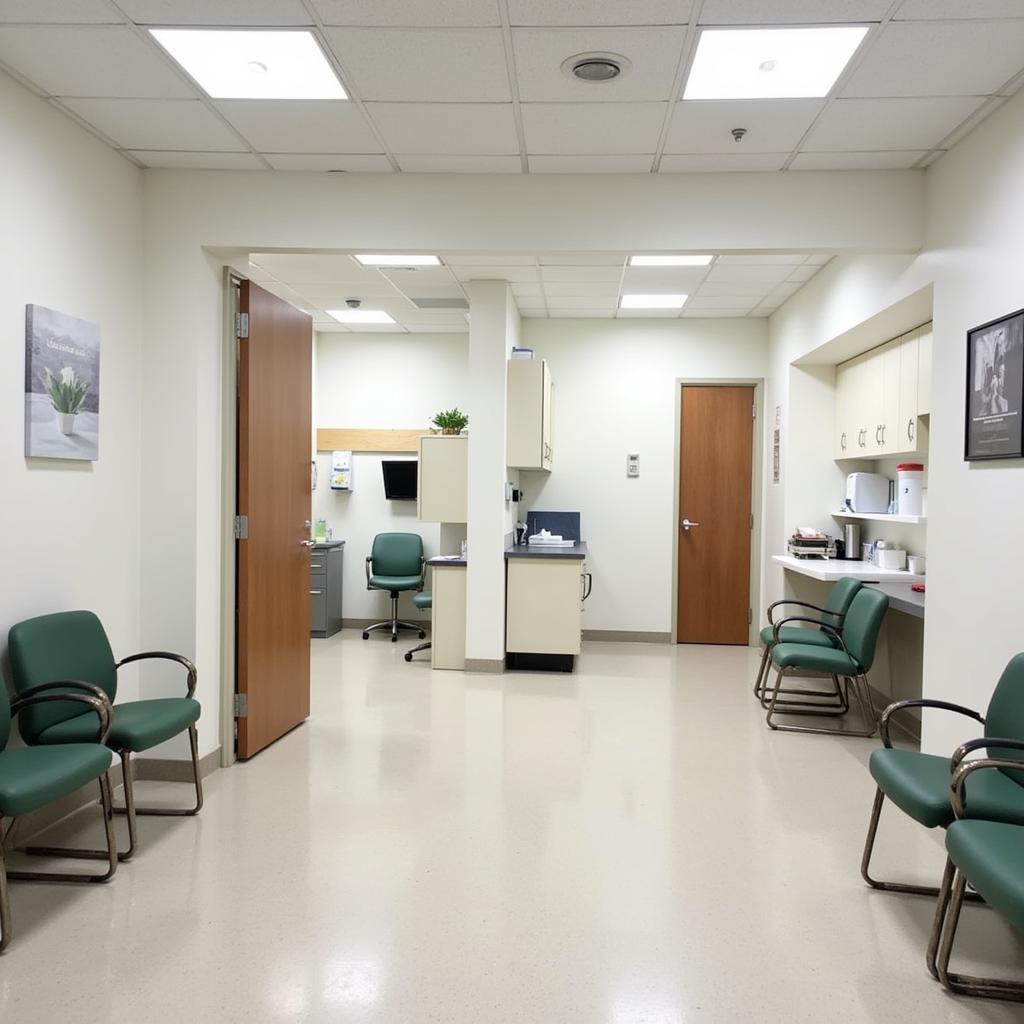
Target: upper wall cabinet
528	444
880	396
443	494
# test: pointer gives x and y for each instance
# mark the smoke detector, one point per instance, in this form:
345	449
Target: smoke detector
353	303
596	68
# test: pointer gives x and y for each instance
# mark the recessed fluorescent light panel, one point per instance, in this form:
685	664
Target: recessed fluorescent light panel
770	63
361	316
652	301
257	65
670	261
388	260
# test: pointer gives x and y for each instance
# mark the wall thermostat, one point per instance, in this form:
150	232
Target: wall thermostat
633	465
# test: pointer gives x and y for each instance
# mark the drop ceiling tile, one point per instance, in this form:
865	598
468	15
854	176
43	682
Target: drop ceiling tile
773	126
590	275
523	275
409	13
55	12
328	296
314	268
353	162
582	259
647	314
792	259
453	328
653	52
573	128
216	12
467	258
601	290
433	316
715	162
767	275
783	12
802	274
662	279
301	126
783	291
425	65
157	124
524	290
581	314
213	161
599	12
431	163
581	302
621	163
940	59
764	309
713	314
719	302
90	62
446	128
886	160
818	259
752	290
965	9
874	124
421	281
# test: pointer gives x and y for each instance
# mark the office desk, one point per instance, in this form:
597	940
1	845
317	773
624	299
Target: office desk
448	613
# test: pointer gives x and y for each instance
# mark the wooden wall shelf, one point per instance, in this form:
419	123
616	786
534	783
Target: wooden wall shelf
357	439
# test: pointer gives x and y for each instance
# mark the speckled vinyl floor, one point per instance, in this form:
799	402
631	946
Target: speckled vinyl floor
624	845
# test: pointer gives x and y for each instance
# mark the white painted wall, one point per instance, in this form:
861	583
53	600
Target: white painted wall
71	240
615	392
973	253
380	381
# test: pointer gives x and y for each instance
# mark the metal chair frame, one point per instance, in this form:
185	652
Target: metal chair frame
954	883
843	685
394	624
39	695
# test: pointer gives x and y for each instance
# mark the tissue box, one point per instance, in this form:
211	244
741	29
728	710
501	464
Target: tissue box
891	558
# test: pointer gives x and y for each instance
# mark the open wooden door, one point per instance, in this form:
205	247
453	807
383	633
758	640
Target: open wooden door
274	507
715	463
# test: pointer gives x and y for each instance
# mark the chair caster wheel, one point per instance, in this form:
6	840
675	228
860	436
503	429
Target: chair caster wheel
394	639
423	636
408	655
366	636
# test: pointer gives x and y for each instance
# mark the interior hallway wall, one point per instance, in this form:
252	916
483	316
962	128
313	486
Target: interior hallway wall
72	241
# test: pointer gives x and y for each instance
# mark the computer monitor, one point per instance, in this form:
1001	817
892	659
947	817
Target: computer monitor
400	477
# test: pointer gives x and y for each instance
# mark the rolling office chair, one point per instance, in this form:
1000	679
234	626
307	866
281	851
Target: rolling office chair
395	563
423	600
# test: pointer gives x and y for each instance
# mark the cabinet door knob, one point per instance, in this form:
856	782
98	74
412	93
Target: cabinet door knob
842	441
910	429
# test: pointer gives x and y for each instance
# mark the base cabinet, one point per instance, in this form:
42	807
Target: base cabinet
544	607
325	588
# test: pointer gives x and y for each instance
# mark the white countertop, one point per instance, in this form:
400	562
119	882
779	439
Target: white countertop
832	569
902	598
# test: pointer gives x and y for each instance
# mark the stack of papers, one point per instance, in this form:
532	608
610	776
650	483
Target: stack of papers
550	540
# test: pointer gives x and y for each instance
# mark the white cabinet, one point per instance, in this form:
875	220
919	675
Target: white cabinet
528	444
544	607
442	495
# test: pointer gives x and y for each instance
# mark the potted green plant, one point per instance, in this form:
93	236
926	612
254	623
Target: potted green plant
67	393
450	421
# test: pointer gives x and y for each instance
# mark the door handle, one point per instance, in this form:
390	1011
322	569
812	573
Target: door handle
308	543
686	524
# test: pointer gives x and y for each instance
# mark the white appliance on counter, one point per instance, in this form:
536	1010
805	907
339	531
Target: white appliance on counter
867	492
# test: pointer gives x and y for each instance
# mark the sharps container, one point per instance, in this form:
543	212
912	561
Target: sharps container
909	485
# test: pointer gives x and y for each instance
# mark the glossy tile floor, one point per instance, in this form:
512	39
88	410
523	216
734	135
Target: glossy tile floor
624	845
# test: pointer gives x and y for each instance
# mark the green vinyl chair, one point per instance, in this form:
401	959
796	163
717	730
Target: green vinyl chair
395	564
73	645
831	614
988	856
33	777
847	664
919	784
423	600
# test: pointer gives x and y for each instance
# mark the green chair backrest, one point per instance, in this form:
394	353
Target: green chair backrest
862	623
396	554
1005	714
66	645
841	596
5	716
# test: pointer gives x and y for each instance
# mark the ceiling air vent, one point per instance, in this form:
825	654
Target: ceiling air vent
596	68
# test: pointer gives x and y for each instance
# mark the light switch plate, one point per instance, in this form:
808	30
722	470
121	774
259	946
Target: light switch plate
633	465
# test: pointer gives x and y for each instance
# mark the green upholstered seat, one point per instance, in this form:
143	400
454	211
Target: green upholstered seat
137	725
796	635
32	777
395	582
990	855
423	600
826	660
919	785
396	561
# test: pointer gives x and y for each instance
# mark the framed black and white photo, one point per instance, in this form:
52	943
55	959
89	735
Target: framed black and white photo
62	385
995	389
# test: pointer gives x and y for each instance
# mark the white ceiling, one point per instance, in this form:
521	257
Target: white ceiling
476	86
547	284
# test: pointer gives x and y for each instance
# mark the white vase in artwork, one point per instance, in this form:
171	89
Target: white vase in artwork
67	422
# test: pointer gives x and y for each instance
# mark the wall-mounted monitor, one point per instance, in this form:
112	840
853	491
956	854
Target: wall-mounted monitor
399	479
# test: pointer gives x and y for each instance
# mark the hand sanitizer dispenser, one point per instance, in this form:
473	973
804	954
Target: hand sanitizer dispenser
341	471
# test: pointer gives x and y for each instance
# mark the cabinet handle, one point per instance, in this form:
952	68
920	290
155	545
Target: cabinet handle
316	591
842	441
878	431
316	565
910	429
588	584
862	437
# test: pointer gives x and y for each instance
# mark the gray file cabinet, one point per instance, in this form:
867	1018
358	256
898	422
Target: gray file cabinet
325	565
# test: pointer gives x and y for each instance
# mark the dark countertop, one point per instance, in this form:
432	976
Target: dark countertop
440	560
577	551
323	545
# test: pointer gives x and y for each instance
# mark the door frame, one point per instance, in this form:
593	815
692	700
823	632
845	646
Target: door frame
756	491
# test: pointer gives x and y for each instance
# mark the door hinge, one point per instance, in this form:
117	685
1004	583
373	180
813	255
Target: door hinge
750	616
241	705
753	411
241	325
241	527
751	520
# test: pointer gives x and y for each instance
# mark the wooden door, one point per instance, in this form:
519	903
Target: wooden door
274	494
715	462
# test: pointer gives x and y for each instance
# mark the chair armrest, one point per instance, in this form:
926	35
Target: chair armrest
101	707
960	775
801	604
924	702
75	684
369	560
981	743
423	573
165	656
824	627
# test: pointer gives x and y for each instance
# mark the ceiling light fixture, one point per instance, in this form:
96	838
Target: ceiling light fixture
664	301
770	63
386	260
361	316
253	64
596	68
681	260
